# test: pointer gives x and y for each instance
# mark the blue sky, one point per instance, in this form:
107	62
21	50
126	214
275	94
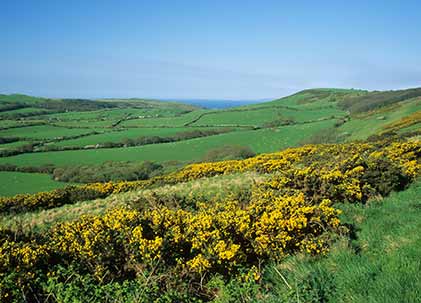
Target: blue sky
206	49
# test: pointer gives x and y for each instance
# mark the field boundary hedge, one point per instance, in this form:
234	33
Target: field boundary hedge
401	157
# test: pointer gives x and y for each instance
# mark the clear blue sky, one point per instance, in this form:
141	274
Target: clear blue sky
206	49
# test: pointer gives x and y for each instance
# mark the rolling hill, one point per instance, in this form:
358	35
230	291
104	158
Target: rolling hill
92	132
313	197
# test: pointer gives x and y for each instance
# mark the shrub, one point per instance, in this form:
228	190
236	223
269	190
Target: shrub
374	100
321	160
178	249
228	152
108	171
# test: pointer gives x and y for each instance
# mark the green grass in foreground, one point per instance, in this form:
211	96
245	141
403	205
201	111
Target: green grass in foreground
12	183
381	265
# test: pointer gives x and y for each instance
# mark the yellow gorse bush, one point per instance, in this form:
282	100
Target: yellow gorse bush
217	237
25	259
404	122
404	155
289	212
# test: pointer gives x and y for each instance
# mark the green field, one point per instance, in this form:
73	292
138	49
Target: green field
264	140
177	121
262	116
132	133
96	124
43	132
26	110
113	114
307	116
365	125
12	183
245	117
372	257
13	145
14	123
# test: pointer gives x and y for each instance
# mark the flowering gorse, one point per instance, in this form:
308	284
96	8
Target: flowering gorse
291	211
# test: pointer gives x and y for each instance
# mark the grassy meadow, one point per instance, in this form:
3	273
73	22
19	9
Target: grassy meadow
262	140
44	132
13	183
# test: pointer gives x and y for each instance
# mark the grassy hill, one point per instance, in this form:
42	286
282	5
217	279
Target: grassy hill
17	105
61	132
313	224
204	205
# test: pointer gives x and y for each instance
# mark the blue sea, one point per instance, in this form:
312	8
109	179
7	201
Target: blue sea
218	104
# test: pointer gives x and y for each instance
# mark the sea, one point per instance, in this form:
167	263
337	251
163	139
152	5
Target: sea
218	104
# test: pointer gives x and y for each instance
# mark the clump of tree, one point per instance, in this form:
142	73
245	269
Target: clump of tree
17	115
341	121
75	105
45	169
26	148
324	136
279	122
4	140
174	138
228	152
5	106
108	171
374	100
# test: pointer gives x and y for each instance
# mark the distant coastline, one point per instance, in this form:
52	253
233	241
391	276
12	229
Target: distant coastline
218	104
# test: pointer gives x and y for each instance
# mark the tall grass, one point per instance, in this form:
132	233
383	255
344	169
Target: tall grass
380	264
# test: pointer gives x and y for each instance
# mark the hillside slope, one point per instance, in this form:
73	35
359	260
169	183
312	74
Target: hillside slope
40	139
297	223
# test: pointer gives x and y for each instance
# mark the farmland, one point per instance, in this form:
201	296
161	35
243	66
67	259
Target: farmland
12	183
130	133
264	140
44	132
67	132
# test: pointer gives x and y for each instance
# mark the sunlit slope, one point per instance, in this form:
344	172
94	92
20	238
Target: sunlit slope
402	118
306	223
307	116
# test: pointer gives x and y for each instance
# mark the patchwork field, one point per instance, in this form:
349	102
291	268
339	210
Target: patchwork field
131	133
263	140
44	132
91	132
